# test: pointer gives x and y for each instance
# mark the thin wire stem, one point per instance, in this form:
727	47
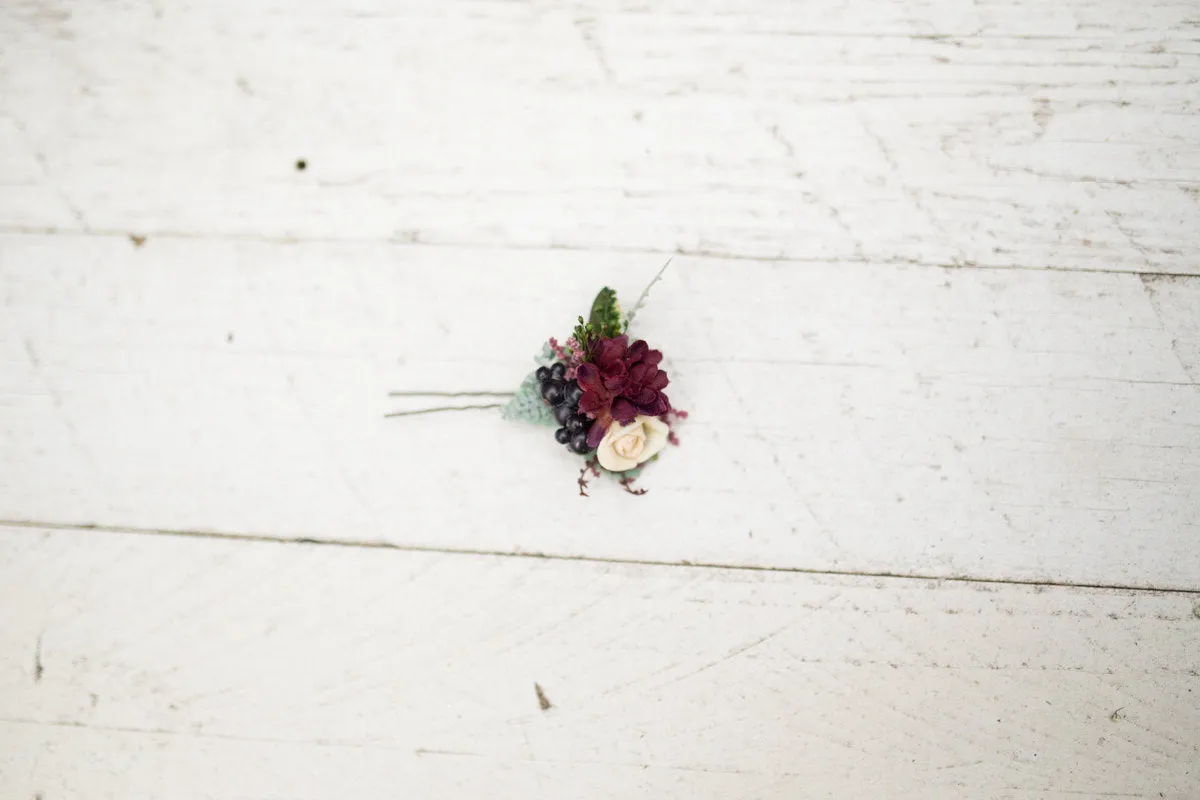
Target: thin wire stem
441	408
450	394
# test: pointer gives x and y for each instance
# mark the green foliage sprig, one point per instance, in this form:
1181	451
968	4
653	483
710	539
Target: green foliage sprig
604	321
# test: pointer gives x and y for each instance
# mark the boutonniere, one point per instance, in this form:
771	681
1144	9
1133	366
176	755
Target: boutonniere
602	391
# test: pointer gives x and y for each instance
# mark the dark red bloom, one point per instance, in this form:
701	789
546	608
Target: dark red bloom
620	382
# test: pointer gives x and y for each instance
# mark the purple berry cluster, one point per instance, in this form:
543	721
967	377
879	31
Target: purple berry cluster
563	396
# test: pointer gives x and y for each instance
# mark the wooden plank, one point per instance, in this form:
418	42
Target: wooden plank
141	666
1018	133
1029	425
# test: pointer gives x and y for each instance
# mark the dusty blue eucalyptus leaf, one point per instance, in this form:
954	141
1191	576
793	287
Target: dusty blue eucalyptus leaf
527	404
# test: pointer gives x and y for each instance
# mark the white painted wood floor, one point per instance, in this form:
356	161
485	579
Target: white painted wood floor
934	528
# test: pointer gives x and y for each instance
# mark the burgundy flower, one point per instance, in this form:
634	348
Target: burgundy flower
621	382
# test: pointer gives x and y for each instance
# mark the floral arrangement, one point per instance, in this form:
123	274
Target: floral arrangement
603	394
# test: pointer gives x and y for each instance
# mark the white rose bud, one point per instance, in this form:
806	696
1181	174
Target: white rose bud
626	446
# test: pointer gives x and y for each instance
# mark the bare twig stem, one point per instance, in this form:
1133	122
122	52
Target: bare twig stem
589	465
628	484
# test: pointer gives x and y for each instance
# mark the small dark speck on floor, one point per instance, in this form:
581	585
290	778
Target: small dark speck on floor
138	241
95	698
229	337
301	165
543	702
1117	716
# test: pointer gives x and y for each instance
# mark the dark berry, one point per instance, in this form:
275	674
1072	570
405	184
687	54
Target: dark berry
552	392
579	443
562	435
558	370
578	423
543	374
563	413
574	392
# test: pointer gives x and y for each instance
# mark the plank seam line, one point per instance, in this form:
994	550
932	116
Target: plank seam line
18	230
466	551
215	735
375	744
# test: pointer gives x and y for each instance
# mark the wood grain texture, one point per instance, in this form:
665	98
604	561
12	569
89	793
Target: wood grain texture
1017	133
902	313
1034	425
150	666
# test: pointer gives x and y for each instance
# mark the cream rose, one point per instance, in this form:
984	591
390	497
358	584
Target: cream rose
626	446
